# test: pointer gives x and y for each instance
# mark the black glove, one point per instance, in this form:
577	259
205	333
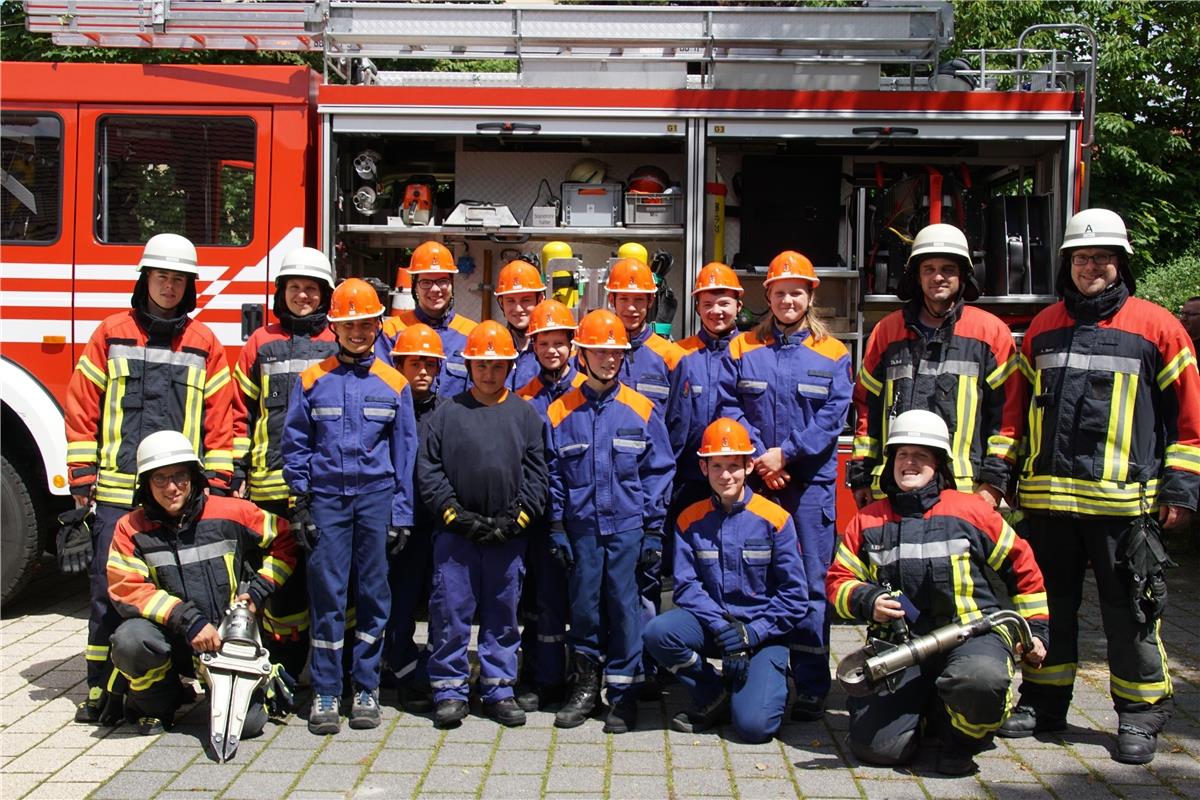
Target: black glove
75	549
736	637
513	523
303	527
475	527
561	551
735	667
280	692
652	545
397	537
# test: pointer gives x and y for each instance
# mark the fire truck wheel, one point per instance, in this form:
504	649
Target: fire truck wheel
19	540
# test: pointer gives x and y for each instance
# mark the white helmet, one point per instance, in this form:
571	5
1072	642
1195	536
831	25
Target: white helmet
169	251
162	449
306	262
587	170
1096	227
938	239
920	427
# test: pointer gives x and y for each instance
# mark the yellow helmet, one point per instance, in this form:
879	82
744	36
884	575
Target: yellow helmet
633	250
555	250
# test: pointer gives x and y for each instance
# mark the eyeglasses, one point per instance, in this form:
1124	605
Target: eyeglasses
182	479
439	283
1100	259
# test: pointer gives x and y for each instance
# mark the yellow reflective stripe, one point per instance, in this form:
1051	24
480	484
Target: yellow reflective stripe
965	606
270	487
160	606
1056	675
285	625
241	446
193	408
1026	368
888	401
1000	374
96	652
869	381
1031	605
269	530
352	617
1120	427
144	682
92	372
113	417
1078	495
1162	657
1168	374
1004	545
967	410
275	570
866	447
1035	422
120	561
219	460
841	600
243	380
81	452
232	574
114	495
1004	447
1182	456
216	382
848	559
1148	692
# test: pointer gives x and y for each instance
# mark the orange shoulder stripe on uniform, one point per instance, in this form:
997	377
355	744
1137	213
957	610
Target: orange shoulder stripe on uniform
773	513
317	371
693	514
531	389
561	408
668	350
389	375
745	342
831	347
641	405
462	324
393	325
690	345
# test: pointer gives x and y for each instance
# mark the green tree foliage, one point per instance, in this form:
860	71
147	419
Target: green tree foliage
1173	283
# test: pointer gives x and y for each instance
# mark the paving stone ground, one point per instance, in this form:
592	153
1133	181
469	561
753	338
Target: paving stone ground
43	754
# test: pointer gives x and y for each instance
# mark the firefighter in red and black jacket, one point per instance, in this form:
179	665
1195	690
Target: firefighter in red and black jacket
924	554
938	354
271	361
174	567
148	369
1114	453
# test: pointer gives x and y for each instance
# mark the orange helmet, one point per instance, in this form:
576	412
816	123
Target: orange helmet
628	275
790	264
550	315
725	437
403	278
519	277
491	341
601	329
354	298
715	276
418	340
432	257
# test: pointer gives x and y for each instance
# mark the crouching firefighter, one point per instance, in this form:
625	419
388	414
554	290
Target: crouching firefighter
921	559
740	591
173	570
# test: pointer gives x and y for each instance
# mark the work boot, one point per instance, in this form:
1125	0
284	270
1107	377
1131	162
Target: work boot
622	717
1134	745
698	719
808	708
89	710
364	712
415	698
1025	721
584	696
449	713
150	726
323	716
506	712
954	759
535	698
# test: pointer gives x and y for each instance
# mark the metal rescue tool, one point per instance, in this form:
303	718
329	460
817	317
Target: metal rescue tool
878	664
233	673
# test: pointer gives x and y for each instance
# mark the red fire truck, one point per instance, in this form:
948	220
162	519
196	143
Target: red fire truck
838	132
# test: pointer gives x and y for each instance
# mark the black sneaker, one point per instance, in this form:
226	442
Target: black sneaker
323	716
622	718
808	708
1025	721
698	719
1134	745
364	711
507	712
88	711
449	713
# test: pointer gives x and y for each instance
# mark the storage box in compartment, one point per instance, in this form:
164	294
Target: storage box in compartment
591	205
649	208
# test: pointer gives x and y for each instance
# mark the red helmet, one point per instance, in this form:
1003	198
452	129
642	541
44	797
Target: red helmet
418	340
648	179
790	264
489	340
716	276
550	315
601	329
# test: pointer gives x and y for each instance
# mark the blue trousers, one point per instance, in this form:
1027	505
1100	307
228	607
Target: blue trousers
679	642
606	610
103	619
468	576
409	575
353	539
812	507
545	640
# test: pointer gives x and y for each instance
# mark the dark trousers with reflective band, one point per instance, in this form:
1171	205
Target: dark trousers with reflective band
680	643
409	575
353	533
607	617
1139	681
544	613
468	576
813	509
103	618
972	682
285	616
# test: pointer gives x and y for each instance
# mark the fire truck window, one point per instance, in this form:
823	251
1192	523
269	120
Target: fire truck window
30	177
166	174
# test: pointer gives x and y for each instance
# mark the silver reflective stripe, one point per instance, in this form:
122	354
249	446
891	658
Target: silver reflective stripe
694	658
375	412
920	551
570	449
550	639
1089	362
812	388
745	384
622	680
321	644
496	681
950	367
756	553
707	555
447	684
156	355
327	411
362	636
899	372
630	444
191	555
456	368
697	389
292	366
407	668
655	389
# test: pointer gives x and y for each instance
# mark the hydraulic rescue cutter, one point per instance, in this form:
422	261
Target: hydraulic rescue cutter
233	674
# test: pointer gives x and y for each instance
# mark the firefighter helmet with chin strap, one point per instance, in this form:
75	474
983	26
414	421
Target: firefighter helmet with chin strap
306	262
715	277
170	251
1095	227
601	329
519	277
725	437
354	299
164	449
550	315
943	240
791	265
